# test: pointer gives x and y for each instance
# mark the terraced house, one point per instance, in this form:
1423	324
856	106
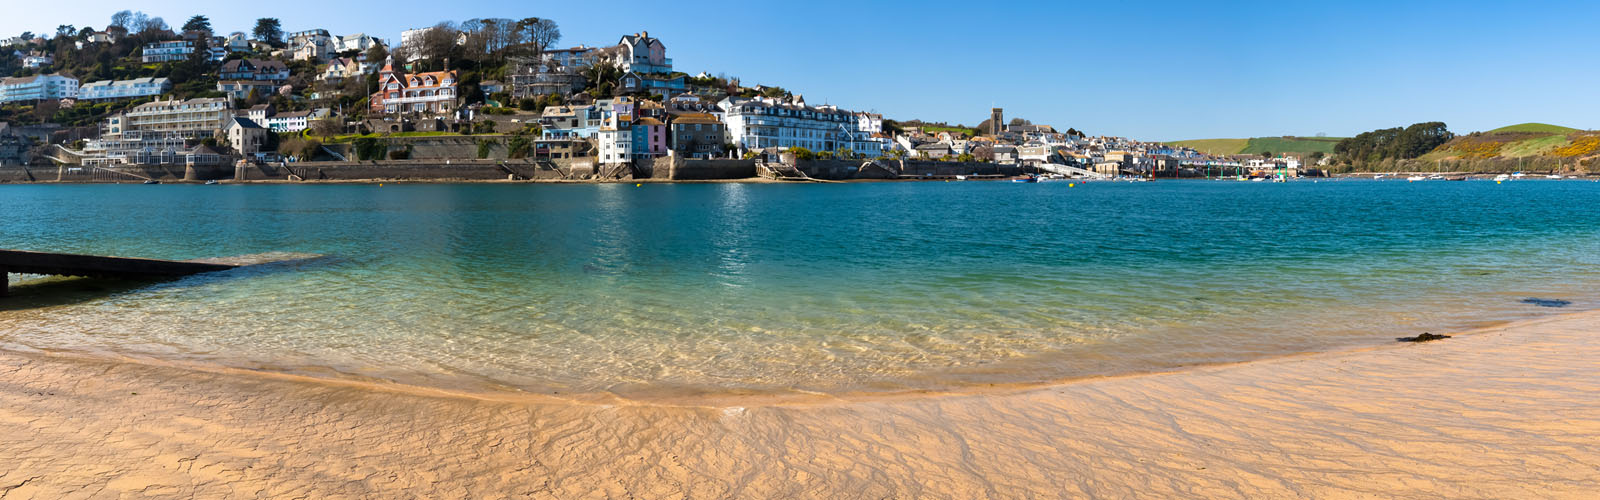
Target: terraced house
426	93
762	122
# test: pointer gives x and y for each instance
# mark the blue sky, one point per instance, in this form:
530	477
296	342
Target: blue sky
1149	70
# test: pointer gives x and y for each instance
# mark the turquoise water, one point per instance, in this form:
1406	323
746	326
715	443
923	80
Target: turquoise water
752	288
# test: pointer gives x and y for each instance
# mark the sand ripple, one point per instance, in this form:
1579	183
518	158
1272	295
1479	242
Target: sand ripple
1508	413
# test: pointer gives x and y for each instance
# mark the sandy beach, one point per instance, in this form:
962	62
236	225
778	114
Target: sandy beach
1506	412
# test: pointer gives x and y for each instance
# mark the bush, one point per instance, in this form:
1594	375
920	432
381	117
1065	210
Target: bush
485	146
802	153
528	104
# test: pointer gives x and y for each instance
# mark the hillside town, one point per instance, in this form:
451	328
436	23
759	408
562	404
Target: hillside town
138	93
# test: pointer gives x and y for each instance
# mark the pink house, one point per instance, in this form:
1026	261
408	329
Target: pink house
649	138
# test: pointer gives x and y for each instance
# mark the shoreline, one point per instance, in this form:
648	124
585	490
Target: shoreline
1503	412
713	398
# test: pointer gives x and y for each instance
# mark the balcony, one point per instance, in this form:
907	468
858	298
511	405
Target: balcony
419	99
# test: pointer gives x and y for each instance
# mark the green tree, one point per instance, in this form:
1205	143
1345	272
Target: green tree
198	23
802	153
269	30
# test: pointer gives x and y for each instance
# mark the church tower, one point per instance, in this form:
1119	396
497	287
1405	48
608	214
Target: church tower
997	122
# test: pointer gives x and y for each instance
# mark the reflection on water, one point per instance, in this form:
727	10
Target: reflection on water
730	287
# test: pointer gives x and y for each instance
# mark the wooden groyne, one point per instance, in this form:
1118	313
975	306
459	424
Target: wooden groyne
95	266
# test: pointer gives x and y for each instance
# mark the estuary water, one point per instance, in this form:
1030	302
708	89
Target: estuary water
664	291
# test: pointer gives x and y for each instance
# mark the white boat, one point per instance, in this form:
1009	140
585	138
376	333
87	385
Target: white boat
1416	178
1553	176
1380	176
961	177
1502	178
1518	175
1436	177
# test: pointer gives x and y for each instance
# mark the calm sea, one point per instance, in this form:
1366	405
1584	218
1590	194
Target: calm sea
747	288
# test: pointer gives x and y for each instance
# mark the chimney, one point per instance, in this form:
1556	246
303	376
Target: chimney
644	34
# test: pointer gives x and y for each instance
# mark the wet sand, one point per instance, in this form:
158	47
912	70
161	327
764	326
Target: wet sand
1507	412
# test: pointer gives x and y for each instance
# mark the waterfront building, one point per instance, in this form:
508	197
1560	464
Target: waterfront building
568	122
159	133
649	138
616	140
640	53
110	90
38	88
244	136
428	93
697	135
762	122
194	118
168	51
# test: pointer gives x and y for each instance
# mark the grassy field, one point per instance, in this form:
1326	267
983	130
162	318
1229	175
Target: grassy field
935	130
1214	146
1291	145
1535	127
1261	144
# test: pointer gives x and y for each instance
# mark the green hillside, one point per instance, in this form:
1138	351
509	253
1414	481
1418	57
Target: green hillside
1308	145
1542	128
1259	145
1214	146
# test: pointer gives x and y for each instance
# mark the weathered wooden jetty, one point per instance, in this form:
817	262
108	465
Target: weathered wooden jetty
95	266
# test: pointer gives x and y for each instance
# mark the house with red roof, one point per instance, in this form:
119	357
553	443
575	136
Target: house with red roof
425	93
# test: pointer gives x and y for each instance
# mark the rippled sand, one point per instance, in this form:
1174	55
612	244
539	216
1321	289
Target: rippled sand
1512	412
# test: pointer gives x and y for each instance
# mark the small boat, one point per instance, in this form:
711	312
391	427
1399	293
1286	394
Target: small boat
1416	178
151	181
961	177
1502	178
1436	177
211	182
1379	176
1518	175
1026	179
1258	179
1553	176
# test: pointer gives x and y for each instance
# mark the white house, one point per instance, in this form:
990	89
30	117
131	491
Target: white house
616	139
37	61
38	88
358	42
295	121
106	90
761	122
175	50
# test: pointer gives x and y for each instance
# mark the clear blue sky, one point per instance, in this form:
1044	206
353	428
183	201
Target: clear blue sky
1152	70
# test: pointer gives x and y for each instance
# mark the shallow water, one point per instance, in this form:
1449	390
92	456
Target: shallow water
740	288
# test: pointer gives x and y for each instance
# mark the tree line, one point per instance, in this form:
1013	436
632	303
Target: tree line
1393	143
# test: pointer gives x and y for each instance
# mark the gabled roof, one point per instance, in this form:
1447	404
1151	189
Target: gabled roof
246	123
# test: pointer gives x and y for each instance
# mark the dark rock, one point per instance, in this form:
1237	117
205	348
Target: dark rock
1426	337
1547	302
